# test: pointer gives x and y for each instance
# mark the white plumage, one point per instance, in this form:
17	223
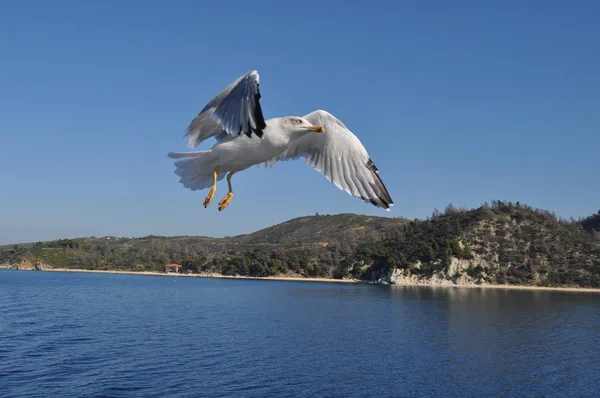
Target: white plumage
234	117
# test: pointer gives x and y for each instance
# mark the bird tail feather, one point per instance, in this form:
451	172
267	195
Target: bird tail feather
195	169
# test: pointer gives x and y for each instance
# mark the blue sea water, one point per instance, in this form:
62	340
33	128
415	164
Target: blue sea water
108	335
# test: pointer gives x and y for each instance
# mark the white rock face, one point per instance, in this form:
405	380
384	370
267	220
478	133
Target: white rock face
455	275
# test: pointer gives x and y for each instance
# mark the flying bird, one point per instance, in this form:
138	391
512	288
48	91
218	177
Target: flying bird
244	139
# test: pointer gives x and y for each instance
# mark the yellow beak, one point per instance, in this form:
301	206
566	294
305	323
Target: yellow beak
316	128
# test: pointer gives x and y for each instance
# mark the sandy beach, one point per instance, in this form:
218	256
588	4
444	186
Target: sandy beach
214	275
329	280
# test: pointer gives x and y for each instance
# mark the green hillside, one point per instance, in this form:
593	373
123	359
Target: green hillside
501	243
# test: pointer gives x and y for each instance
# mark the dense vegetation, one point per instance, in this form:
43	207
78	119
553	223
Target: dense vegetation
506	243
498	243
309	246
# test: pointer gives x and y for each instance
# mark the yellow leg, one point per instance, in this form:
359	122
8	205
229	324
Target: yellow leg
213	189
225	201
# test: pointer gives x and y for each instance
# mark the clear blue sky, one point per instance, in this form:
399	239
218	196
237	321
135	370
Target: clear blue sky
457	102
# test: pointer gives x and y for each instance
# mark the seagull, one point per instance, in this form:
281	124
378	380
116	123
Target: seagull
244	139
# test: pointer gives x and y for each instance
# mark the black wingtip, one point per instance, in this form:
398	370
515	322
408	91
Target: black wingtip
379	188
258	115
258	118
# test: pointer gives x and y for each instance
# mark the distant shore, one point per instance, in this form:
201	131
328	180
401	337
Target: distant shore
329	280
214	275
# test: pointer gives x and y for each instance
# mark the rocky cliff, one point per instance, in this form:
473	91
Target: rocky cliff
504	243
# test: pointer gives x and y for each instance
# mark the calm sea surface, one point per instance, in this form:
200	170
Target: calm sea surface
92	335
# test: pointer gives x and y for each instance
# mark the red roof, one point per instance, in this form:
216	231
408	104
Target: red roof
173	265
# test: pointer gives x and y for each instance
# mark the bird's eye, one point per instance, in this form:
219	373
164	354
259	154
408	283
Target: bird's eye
297	121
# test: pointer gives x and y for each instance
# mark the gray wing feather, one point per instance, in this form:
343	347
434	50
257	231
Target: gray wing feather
234	111
340	156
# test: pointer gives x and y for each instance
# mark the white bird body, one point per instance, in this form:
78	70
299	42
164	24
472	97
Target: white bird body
242	152
244	139
234	154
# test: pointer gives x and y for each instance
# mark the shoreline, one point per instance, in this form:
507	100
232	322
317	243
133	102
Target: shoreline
328	280
214	276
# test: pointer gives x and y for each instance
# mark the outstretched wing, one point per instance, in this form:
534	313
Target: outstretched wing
340	156
234	111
